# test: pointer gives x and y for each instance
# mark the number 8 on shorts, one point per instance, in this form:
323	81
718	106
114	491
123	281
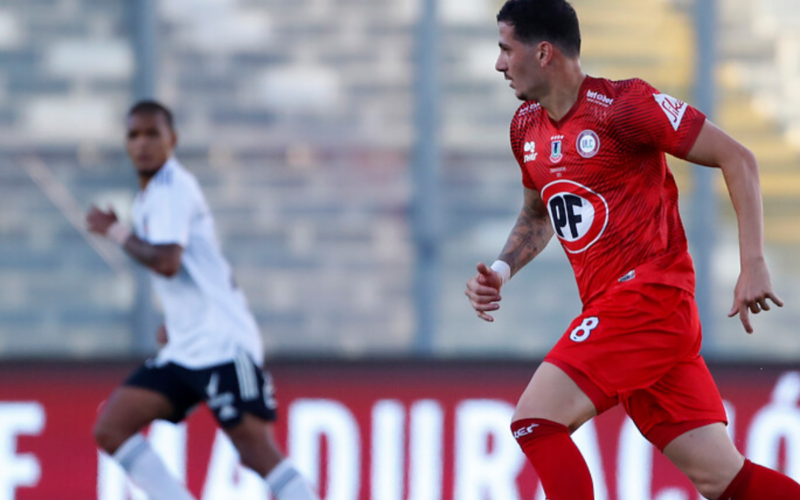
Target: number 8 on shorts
582	331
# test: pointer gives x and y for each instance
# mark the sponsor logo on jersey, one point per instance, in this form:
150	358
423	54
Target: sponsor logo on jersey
599	98
628	276
673	108
555	148
530	108
578	214
588	144
530	151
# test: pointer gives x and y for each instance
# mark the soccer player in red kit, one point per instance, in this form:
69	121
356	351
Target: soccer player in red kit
591	152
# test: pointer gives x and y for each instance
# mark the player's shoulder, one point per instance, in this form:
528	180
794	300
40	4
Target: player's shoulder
173	176
608	92
528	113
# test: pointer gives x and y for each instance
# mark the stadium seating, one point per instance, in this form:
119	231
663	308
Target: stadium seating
297	116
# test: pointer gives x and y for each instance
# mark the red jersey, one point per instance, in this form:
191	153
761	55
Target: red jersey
603	176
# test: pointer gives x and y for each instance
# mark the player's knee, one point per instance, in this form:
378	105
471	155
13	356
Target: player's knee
256	446
254	462
108	437
572	423
709	490
709	485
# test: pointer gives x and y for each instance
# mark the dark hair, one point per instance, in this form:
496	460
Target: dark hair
152	107
553	21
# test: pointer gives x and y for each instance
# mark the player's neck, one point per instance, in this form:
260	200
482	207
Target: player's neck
146	177
564	90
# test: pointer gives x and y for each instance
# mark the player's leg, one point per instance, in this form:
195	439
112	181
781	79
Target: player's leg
707	457
549	410
607	350
683	415
241	396
255	441
719	472
553	395
126	412
117	431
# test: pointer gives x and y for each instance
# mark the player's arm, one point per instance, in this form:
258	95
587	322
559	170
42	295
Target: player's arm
162	259
715	148
530	235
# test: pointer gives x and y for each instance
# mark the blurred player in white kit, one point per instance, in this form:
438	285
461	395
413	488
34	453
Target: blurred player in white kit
213	350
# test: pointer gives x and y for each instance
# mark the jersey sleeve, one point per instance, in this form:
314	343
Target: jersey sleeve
518	127
646	117
170	213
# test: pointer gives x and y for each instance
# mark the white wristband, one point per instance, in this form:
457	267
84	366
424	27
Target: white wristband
118	233
503	269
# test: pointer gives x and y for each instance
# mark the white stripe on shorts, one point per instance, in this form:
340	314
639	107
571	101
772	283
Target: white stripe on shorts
248	384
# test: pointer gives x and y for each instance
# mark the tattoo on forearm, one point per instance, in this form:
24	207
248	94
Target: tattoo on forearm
530	235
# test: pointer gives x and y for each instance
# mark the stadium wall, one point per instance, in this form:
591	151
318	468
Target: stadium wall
380	430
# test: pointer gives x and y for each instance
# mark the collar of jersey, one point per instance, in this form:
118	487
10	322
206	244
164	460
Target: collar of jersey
575	106
169	165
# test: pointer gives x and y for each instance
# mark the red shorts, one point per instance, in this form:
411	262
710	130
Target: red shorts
639	345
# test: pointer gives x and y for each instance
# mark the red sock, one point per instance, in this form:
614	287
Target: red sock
755	482
557	460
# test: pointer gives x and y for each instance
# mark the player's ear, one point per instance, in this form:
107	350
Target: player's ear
544	53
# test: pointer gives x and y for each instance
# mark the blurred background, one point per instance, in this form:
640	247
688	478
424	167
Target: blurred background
355	154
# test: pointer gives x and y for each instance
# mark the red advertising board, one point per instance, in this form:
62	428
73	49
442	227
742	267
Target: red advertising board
369	431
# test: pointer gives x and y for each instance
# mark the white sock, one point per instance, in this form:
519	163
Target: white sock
286	483
148	472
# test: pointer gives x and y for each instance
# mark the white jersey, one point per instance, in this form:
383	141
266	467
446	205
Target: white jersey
207	318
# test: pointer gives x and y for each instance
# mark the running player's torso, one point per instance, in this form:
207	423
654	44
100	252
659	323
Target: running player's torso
206	315
603	176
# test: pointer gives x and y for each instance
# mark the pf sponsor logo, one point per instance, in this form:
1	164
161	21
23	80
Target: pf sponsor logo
588	143
673	108
555	148
530	151
578	214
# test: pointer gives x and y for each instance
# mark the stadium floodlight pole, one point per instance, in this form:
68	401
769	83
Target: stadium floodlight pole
704	217
143	22
425	210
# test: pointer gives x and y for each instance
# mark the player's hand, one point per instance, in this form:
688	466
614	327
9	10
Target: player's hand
483	291
161	335
752	291
99	221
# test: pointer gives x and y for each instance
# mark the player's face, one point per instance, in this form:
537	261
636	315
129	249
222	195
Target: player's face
150	142
519	63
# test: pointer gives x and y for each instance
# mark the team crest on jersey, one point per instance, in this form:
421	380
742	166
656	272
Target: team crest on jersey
555	148
578	214
588	143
